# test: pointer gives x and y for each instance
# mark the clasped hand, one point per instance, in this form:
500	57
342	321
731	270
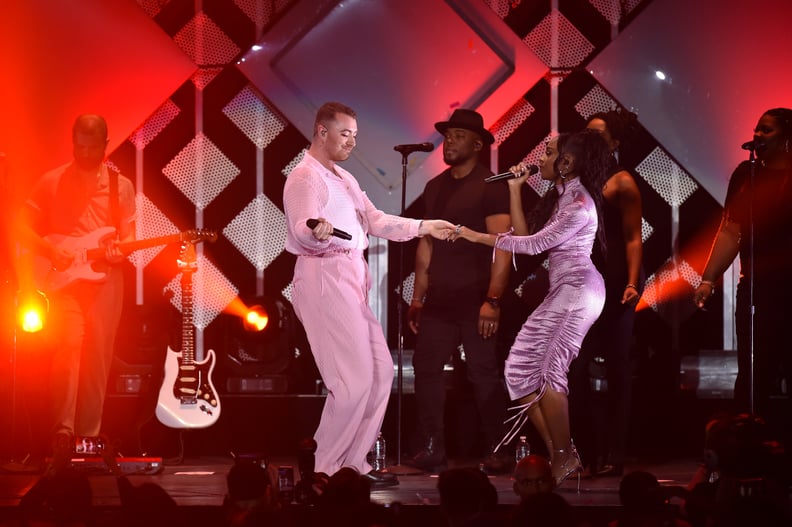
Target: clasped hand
458	231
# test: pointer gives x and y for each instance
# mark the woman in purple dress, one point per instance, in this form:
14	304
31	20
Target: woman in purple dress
565	223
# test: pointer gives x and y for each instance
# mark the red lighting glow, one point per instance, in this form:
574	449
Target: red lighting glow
32	311
256	319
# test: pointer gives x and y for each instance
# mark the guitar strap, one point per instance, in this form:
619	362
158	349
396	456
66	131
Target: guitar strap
115	212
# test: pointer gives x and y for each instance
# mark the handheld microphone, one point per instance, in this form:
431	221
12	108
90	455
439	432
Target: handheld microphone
408	149
531	169
753	145
338	233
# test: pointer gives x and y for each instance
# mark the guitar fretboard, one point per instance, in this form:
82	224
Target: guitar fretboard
188	329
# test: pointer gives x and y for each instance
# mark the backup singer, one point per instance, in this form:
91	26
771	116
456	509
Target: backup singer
757	218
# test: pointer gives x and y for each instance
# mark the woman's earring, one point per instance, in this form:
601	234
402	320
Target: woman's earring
786	146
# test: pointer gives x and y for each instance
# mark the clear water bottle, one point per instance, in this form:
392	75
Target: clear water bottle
598	375
522	450
378	453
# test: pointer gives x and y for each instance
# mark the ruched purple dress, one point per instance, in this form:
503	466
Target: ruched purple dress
552	335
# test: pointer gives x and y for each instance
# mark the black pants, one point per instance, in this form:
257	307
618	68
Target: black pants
770	371
438	337
599	414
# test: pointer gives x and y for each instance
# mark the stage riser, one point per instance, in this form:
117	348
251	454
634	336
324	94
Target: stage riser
274	424
424	515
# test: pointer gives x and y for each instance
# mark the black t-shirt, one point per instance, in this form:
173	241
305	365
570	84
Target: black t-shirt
459	272
772	223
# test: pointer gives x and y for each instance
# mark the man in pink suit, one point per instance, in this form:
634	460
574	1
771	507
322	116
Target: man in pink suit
331	284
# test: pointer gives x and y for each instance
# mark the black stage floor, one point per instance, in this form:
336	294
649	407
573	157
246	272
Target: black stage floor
199	486
666	441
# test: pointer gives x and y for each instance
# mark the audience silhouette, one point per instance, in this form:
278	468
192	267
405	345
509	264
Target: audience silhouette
745	478
533	475
467	497
645	503
346	502
59	498
251	499
544	509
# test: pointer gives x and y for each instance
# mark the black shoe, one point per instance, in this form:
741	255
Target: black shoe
381	479
431	458
62	449
497	463
428	461
610	471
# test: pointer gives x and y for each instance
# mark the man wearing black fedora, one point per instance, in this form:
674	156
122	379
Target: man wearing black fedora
457	293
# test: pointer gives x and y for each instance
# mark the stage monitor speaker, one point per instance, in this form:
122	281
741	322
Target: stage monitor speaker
129	465
129	379
264	383
710	374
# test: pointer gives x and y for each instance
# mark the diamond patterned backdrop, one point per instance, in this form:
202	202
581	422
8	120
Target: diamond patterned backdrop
216	151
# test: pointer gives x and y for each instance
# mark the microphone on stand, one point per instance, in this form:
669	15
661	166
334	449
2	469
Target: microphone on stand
531	169
338	233
409	149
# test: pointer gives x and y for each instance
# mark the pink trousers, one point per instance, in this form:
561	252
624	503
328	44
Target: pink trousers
331	300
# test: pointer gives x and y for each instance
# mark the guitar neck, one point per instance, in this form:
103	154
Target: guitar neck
132	246
188	328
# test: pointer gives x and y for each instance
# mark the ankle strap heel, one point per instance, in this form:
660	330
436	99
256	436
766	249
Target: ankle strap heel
570	465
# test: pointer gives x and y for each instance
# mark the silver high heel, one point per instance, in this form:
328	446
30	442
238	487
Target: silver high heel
571	465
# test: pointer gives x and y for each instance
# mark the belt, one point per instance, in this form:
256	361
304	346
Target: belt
340	251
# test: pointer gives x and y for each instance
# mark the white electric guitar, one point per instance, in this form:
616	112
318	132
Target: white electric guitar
187	398
91	248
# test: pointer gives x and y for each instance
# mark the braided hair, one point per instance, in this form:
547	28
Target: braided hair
593	161
622	126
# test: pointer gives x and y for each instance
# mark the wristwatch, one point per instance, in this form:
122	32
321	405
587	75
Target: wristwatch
493	301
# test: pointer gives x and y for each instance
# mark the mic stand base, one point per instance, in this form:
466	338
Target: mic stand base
20	467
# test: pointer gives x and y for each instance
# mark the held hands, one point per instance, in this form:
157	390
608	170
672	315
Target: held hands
439	229
470	235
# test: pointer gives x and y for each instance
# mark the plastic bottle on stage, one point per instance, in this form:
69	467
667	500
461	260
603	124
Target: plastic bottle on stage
522	450
378	453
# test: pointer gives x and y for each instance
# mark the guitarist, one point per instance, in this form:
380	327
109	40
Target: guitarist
75	200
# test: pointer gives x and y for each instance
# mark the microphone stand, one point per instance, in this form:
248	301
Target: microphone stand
752	307
399	469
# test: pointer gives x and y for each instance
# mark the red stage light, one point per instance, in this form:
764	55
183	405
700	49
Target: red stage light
256	319
32	309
